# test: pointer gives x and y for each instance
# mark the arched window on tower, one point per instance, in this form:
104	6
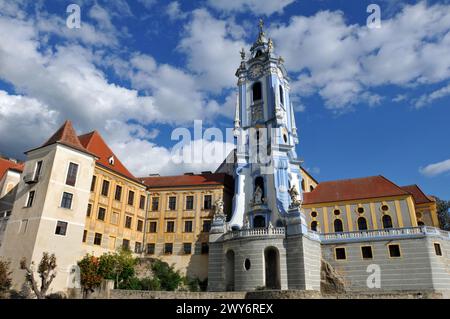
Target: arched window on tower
259	222
257	91
259	181
362	223
258	140
338	227
387	221
281	95
314	225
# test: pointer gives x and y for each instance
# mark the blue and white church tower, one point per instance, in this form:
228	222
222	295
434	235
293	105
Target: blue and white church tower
266	242
267	170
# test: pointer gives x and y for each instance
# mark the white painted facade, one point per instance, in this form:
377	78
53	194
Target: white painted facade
31	230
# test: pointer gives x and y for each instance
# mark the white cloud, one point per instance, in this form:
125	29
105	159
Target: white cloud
344	62
436	168
258	7
24	122
144	158
212	47
174	12
67	83
427	99
399	98
148	4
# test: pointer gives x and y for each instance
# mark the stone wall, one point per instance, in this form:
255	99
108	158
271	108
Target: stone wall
303	263
134	294
418	267
252	249
270	294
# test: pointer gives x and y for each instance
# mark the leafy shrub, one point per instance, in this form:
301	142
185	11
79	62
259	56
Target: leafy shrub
89	273
117	266
5	277
135	283
169	278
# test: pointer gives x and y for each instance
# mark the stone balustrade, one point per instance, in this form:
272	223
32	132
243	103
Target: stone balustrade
255	232
384	233
344	236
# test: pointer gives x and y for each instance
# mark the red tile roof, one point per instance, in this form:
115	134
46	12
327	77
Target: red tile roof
188	180
66	135
418	195
353	189
6	165
94	143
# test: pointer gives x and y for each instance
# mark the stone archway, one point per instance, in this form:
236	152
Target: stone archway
272	268
229	271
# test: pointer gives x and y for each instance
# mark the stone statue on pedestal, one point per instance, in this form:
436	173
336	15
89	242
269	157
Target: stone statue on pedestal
293	192
246	222
257	196
218	212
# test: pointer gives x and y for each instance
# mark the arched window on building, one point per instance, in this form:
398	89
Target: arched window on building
314	225
338	226
420	223
387	221
303	185
311	188
362	223
281	95
257	91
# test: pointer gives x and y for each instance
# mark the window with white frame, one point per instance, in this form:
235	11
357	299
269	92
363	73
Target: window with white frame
66	201
72	172
61	228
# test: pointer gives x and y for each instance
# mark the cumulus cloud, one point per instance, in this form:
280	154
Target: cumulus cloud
212	47
258	7
67	82
436	168
427	99
24	122
343	63
174	11
195	156
147	3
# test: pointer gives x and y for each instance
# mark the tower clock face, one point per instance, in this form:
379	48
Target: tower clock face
256	71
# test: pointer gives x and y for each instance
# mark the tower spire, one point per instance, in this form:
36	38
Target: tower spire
261	26
261	40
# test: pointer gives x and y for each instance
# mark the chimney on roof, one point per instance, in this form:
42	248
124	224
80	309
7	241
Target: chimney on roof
153	175
206	172
189	174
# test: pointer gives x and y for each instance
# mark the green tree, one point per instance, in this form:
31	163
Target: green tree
46	270
169	278
117	266
89	274
5	277
135	283
443	207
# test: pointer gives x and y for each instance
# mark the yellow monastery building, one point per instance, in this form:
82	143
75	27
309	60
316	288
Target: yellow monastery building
166	217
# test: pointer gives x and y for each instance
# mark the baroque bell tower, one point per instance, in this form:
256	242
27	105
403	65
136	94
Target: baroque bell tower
266	242
267	170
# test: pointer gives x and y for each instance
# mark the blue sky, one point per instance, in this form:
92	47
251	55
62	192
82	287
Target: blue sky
368	101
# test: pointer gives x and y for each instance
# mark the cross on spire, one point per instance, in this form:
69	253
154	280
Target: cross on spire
261	25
